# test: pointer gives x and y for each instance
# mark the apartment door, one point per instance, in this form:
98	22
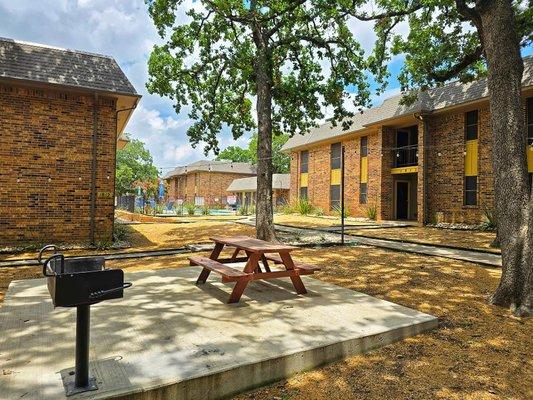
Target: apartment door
402	199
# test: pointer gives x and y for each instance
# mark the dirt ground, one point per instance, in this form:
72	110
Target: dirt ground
448	237
478	351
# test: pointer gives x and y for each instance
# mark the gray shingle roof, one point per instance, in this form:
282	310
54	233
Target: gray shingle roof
279	181
52	65
452	94
213	166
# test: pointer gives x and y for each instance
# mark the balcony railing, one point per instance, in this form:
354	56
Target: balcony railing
405	156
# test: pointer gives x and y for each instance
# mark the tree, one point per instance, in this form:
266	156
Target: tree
134	164
280	161
293	57
466	39
235	154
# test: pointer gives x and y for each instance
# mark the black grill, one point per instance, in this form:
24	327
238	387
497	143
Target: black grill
80	282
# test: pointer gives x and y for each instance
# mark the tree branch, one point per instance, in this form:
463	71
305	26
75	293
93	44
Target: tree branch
372	17
467	60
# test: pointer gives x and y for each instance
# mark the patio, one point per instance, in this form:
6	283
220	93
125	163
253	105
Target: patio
170	336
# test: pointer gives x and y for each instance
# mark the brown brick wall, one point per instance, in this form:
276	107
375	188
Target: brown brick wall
209	185
45	167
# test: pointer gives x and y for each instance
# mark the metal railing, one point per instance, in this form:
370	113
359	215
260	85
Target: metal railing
405	156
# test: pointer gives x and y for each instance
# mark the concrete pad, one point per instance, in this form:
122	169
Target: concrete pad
171	339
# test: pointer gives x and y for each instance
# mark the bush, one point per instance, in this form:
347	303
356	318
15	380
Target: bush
190	208
205	209
372	212
319	212
120	232
490	223
242	210
303	206
337	210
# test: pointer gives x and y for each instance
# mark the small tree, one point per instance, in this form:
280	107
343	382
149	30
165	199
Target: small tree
294	57
466	39
134	163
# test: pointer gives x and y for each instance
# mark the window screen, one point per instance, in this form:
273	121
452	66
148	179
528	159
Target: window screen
336	155
362	193
335	197
303	193
470	190
304	161
471	125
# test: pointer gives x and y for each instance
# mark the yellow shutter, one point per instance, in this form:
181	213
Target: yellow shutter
364	169
471	158
303	179
530	158
336	176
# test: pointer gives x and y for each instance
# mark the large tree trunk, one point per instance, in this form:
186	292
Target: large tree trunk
512	194
264	214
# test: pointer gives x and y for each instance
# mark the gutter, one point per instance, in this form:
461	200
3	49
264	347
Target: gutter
424	117
94	165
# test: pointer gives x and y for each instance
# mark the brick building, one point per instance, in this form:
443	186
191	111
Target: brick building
205	182
244	189
62	115
429	162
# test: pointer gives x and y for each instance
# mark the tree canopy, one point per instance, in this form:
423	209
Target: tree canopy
134	164
280	161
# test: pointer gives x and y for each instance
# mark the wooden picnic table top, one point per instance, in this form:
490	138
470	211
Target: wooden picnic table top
252	244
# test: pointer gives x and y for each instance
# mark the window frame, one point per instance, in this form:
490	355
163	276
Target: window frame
529	120
304	166
334	203
364	146
363	194
334	161
466	199
301	196
470	125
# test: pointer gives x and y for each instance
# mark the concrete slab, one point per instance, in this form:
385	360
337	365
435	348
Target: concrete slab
171	339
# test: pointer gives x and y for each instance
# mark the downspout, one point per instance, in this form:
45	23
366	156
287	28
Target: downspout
94	165
424	117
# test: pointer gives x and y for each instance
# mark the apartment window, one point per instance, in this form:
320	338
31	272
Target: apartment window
362	193
304	161
471	119
303	192
335	197
470	191
364	146
336	150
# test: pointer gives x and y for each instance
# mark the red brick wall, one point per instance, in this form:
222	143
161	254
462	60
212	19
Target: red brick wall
209	185
45	167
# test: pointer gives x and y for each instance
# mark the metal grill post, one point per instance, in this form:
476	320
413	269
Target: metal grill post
83	314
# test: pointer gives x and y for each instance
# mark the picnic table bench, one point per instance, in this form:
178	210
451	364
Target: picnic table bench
256	251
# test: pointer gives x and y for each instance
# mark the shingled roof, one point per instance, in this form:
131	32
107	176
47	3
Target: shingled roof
452	94
51	65
279	181
223	166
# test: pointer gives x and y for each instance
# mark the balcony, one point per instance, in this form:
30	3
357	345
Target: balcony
405	156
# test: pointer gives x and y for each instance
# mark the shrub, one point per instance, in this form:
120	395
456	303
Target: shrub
490	223
372	212
190	208
303	206
205	209
337	210
242	210
319	212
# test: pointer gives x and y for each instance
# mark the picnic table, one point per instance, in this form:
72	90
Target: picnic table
255	252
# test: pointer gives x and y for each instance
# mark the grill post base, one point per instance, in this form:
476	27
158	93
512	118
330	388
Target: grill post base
81	381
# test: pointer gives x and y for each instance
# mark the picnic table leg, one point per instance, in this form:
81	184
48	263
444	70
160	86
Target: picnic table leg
241	284
296	280
265	263
235	254
214	255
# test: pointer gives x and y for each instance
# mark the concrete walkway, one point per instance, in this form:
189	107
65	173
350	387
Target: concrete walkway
478	257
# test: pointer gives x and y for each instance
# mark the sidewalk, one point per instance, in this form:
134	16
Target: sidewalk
478	257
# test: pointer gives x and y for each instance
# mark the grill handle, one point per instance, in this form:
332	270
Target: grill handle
102	293
55	256
45	248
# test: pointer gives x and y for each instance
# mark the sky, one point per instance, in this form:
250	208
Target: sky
124	30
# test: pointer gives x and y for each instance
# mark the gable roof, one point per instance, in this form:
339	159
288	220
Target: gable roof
449	95
52	65
279	181
223	166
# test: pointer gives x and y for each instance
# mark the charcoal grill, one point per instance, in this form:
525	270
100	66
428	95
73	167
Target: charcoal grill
80	282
